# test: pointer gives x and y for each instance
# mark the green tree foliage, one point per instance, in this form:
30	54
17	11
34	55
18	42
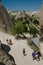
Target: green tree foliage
22	24
36	22
34	19
18	28
33	29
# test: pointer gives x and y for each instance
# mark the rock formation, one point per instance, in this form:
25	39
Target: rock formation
5	21
5	58
41	19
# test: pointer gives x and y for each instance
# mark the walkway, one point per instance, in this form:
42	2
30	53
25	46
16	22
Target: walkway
16	51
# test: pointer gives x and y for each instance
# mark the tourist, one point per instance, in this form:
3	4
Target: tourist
0	44
10	41
34	55
23	51
39	55
7	41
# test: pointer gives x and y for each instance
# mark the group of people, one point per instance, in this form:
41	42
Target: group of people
36	55
9	41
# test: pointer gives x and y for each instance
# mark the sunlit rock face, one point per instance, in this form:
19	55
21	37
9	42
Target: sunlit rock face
41	15
4	18
41	19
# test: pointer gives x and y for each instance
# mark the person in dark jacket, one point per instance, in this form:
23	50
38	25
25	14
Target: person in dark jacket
24	51
39	55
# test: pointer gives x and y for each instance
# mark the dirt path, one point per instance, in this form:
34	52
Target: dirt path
16	51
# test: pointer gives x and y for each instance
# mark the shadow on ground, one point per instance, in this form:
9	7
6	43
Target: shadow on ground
6	48
23	37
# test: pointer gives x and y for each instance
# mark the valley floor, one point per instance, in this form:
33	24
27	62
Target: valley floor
17	50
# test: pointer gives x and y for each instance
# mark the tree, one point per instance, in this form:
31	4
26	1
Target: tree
18	28
34	19
33	29
36	22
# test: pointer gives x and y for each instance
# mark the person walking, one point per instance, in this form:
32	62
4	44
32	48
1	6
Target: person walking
24	51
0	44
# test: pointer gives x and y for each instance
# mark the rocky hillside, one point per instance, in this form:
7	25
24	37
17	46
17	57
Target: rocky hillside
19	14
5	20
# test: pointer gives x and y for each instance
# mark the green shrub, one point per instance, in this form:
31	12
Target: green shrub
18	28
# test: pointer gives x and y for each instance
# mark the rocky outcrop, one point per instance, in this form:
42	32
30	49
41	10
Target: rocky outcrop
41	20
6	58
5	20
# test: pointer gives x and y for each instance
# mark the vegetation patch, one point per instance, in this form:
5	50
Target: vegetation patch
33	46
